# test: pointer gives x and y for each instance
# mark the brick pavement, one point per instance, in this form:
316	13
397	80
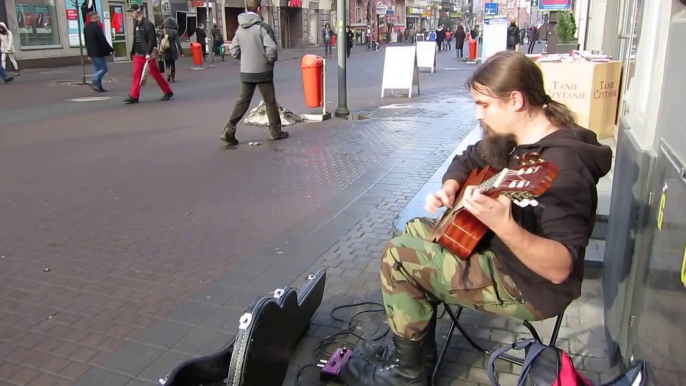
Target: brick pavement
112	274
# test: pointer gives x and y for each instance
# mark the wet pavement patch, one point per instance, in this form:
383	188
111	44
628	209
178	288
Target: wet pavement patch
359	116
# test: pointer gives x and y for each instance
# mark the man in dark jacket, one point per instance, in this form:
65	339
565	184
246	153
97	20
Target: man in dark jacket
512	36
255	45
144	43
98	49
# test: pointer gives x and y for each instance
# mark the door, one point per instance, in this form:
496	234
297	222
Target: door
313	19
119	36
629	33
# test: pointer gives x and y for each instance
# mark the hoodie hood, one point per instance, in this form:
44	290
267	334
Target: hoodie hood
248	19
596	157
171	23
4	25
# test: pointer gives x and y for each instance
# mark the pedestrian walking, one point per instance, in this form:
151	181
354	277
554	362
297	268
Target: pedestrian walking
349	37
218	39
7	48
201	37
3	75
327	35
440	37
460	37
448	39
255	45
98	49
143	52
512	36
170	47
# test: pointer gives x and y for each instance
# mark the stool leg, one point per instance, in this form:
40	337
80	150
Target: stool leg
444	350
476	346
556	329
533	331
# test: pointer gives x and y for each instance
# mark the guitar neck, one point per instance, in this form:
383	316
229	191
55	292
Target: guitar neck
487	186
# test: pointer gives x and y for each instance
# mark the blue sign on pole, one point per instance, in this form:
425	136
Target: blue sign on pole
490	9
554	5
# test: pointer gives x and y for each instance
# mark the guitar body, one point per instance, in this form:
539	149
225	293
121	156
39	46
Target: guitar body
461	232
267	335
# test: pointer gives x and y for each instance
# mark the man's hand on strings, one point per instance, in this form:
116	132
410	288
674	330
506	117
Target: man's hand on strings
495	213
438	199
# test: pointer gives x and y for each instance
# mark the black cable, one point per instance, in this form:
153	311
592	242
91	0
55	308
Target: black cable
297	377
346	332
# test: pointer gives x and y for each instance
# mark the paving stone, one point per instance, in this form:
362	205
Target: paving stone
201	341
102	377
133	358
163	366
191	312
164	333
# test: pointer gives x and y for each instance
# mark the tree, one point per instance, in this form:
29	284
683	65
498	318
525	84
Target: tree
565	27
75	4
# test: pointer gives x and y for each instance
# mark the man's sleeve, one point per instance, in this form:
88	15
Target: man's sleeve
269	42
565	209
151	38
463	164
103	39
235	47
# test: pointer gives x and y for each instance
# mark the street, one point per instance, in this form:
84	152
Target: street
132	239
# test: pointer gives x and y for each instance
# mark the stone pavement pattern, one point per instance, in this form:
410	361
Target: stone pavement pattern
113	268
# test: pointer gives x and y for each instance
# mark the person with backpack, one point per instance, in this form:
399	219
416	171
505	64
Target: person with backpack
170	47
98	49
254	44
218	41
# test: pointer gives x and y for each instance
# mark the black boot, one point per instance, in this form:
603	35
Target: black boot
276	133
403	366
229	135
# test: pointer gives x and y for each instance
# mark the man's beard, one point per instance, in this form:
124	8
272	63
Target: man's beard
495	148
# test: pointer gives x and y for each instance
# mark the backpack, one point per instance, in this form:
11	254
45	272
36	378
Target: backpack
551	366
164	44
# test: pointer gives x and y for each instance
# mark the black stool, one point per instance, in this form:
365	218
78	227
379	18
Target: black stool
455	324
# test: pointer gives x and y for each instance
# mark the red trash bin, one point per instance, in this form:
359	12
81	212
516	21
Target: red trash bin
312	67
472	49
333	41
196	52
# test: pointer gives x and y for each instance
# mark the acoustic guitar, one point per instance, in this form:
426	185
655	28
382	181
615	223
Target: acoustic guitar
459	231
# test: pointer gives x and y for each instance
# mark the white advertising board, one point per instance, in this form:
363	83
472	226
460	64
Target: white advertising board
400	71
426	55
494	37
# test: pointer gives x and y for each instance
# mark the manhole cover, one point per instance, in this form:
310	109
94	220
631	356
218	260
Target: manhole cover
90	99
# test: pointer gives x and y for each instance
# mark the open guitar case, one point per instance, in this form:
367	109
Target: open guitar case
268	332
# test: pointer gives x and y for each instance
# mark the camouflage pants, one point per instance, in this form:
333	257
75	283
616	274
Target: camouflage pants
477	283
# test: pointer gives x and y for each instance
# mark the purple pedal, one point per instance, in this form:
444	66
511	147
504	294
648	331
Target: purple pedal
332	368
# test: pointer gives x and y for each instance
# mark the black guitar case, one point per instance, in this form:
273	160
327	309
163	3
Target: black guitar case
259	355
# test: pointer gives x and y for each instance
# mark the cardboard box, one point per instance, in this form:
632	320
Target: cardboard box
589	89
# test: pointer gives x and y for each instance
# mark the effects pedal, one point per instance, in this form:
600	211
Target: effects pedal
332	368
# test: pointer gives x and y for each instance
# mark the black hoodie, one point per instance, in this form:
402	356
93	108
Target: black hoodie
566	212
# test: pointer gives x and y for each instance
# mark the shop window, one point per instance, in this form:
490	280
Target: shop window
37	21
